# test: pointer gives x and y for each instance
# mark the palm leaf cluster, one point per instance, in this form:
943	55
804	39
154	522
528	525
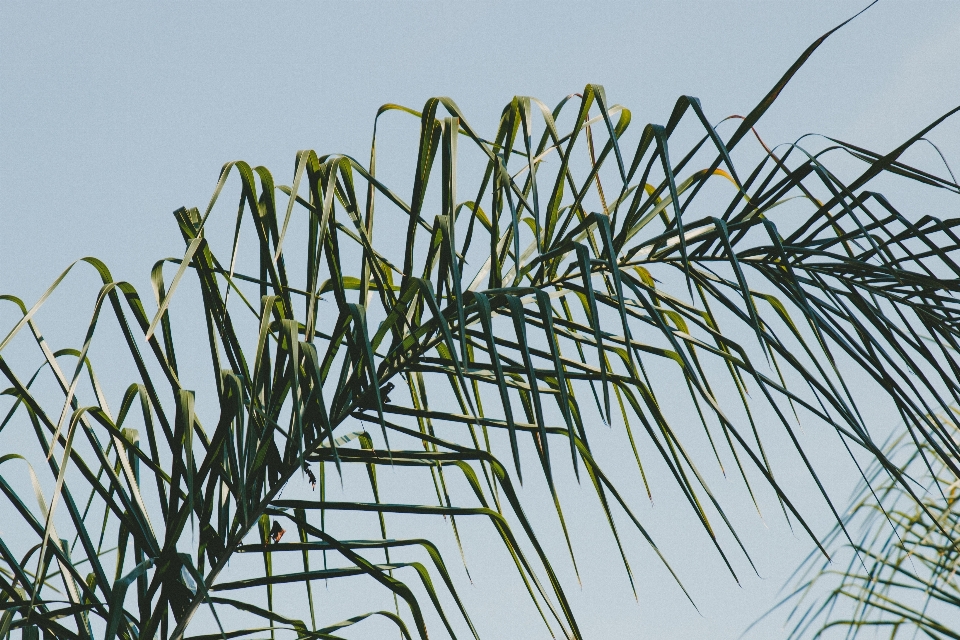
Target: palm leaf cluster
900	579
594	270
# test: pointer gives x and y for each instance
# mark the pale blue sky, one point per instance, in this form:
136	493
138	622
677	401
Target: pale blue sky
112	115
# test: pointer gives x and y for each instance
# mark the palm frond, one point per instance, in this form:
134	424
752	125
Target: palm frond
900	578
587	272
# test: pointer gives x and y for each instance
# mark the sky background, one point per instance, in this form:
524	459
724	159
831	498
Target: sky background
113	115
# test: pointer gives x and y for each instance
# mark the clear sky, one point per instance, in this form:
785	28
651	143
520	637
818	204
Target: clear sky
112	115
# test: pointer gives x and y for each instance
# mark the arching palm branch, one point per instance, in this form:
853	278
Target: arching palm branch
582	280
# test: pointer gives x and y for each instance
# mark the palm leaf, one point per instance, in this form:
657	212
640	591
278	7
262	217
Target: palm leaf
901	574
584	268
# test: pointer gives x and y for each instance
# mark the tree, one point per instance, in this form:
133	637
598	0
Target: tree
507	324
